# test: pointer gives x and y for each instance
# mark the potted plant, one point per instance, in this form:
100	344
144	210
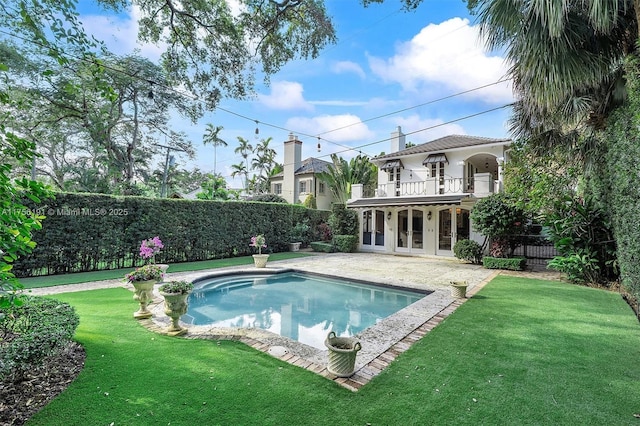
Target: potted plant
143	280
150	248
259	242
459	289
175	295
299	235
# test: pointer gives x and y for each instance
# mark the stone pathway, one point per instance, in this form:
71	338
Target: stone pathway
381	343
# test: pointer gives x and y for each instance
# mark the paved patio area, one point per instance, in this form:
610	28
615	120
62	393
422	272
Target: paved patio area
381	343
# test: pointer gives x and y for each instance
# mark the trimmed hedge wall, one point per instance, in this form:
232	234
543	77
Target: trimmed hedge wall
510	263
322	246
88	232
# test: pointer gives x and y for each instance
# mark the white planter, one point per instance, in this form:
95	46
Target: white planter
260	260
294	246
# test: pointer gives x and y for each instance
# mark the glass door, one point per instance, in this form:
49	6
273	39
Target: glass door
445	234
410	230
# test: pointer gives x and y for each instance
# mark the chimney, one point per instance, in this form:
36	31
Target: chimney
292	162
397	140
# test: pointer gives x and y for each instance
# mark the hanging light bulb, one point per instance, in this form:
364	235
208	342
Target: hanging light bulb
257	129
319	147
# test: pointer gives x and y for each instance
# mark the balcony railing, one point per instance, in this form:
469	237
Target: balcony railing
481	184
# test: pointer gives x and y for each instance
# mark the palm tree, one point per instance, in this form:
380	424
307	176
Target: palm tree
240	170
342	174
264	162
244	149
567	59
211	137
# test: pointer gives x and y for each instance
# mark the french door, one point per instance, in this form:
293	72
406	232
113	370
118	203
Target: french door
410	235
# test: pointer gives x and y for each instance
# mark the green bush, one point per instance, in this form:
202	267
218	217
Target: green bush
33	331
267	198
322	246
345	243
468	250
343	221
511	264
498	218
88	232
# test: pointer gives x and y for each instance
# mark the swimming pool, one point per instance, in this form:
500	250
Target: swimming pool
300	306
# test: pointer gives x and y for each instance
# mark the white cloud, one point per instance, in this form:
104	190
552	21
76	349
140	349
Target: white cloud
350	127
448	54
348	67
285	95
120	33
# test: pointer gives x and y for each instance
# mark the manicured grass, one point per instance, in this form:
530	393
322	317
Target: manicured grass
520	352
83	277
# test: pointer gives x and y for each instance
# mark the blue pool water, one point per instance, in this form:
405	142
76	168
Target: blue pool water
299	306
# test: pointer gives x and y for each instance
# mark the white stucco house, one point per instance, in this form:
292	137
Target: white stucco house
426	192
299	178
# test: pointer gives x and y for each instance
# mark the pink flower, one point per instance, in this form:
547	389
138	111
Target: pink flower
259	242
149	248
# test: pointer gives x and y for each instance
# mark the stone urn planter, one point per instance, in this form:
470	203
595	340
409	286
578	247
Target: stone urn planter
143	280
175	295
295	246
163	266
342	354
459	289
143	295
260	260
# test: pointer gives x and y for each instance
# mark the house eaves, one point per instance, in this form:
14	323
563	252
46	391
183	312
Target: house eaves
446	143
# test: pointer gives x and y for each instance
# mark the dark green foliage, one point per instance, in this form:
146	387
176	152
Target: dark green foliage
345	243
468	250
498	218
581	232
301	233
618	189
343	221
87	232
32	331
267	198
512	263
322	246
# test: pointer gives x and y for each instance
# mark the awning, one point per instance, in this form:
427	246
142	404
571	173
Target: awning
435	158
409	201
392	164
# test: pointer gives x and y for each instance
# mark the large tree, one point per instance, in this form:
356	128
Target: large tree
213	49
342	174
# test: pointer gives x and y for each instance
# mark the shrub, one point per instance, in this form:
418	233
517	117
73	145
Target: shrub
345	243
498	218
512	263
468	250
33	331
310	202
267	198
324	232
322	246
343	221
300	233
580	267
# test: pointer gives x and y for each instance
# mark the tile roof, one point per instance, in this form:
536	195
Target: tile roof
444	143
310	165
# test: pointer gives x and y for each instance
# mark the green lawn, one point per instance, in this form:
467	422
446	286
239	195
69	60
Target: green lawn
520	352
83	277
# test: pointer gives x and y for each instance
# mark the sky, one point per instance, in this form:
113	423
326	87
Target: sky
424	71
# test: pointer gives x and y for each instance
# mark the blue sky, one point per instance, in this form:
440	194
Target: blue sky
389	68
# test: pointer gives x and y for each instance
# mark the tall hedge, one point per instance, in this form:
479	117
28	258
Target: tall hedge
87	232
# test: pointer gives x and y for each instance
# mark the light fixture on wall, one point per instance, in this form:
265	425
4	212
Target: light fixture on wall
388	215
429	215
410	174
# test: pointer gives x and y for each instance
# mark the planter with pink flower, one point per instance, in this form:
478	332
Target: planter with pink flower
259	242
143	279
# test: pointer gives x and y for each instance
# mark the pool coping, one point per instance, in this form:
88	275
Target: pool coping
382	343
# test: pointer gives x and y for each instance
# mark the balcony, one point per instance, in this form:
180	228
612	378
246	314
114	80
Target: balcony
481	185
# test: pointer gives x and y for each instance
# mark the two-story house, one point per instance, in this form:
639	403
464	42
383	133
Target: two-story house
299	178
426	192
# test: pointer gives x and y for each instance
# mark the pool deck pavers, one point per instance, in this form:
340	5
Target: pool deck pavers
381	343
